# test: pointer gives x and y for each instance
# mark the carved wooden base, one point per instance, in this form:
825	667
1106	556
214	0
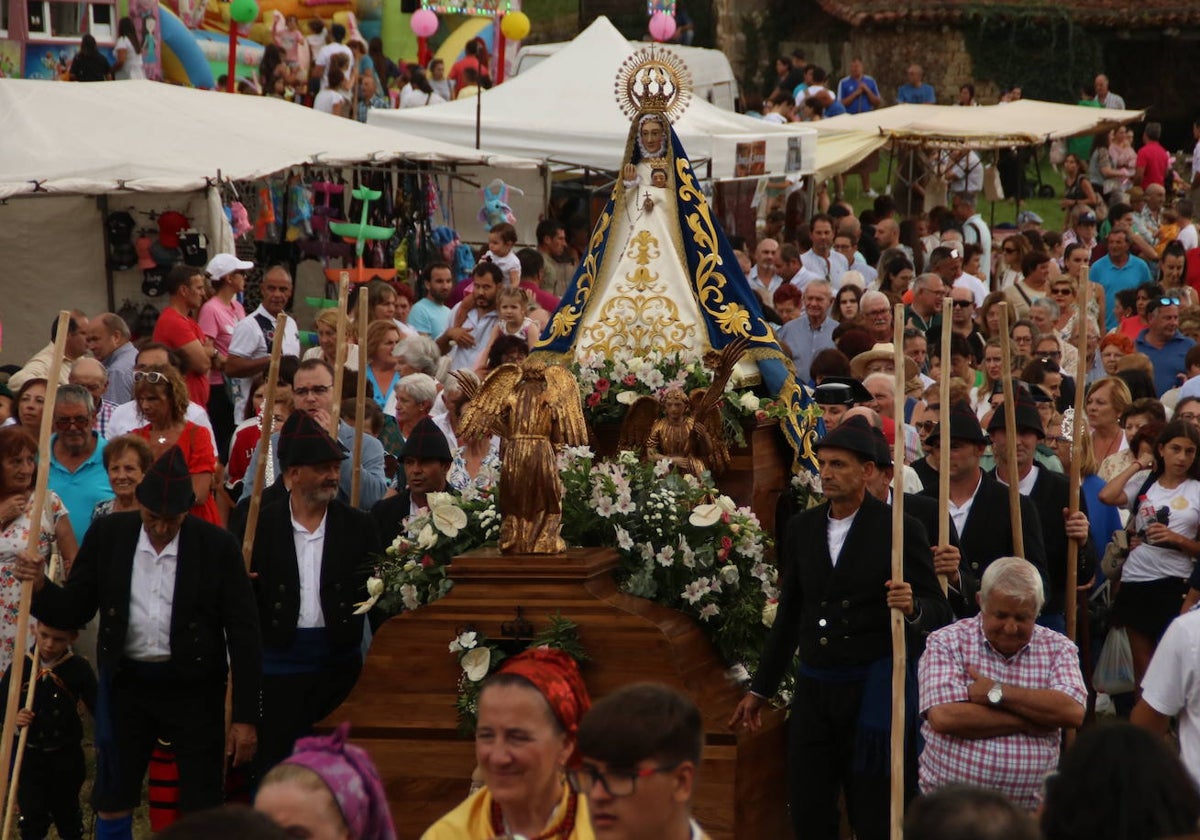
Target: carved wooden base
403	708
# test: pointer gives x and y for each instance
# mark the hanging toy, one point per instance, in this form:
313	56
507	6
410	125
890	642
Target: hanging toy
239	219
362	233
300	217
264	223
495	208
400	259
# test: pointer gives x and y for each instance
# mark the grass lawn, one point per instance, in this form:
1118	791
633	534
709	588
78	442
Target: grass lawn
994	213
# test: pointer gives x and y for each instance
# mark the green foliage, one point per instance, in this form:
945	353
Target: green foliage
1047	59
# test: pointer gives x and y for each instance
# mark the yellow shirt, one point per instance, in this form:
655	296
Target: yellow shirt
472	819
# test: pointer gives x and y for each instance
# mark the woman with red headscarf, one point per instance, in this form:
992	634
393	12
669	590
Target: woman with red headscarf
525	738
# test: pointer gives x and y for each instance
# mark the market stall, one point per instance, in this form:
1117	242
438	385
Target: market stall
102	185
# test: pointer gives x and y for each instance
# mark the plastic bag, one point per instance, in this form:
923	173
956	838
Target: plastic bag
1114	668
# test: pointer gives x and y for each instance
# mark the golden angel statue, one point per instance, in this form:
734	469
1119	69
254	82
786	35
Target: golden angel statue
535	410
689	433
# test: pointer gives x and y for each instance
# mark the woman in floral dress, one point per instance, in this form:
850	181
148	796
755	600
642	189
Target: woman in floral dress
18	466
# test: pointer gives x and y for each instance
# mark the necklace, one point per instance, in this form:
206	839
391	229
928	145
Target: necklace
162	439
562	829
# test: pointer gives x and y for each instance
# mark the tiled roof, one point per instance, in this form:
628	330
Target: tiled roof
1129	15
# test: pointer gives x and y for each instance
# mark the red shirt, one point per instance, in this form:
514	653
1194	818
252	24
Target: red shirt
456	72
175	330
1153	160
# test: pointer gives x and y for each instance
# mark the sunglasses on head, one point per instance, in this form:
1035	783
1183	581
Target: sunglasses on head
154	377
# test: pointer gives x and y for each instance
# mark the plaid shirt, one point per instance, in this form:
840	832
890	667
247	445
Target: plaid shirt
1011	764
103	415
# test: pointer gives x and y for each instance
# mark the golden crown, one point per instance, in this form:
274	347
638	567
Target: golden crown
654	79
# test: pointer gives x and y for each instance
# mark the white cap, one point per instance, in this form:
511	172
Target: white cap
224	264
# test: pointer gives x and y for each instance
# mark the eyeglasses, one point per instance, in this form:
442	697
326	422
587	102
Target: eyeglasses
316	390
1188	416
616	785
1058	292
1010	250
154	377
925	426
963	304
876	313
1022	339
1168	301
78	422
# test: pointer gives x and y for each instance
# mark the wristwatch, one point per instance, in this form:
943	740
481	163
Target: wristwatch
995	694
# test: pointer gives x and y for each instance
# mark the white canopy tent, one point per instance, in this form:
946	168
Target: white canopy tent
69	153
847	139
564	111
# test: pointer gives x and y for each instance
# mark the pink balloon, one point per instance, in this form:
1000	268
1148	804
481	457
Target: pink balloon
424	23
662	26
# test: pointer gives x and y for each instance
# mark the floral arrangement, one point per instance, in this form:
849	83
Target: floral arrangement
413	570
479	657
609	385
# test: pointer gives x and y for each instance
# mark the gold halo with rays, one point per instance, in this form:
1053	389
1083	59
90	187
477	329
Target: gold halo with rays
654	79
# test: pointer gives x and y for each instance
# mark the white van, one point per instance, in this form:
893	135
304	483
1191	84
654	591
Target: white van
712	77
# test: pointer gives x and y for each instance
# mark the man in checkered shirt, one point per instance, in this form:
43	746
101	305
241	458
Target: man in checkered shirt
996	689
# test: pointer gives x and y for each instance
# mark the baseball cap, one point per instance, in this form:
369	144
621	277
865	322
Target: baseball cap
225	264
1086	219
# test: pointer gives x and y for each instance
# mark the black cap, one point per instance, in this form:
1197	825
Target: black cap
964	425
857	435
841	390
166	489
426	443
302	442
1028	419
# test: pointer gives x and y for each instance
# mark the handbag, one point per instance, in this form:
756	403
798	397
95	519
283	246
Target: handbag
1115	554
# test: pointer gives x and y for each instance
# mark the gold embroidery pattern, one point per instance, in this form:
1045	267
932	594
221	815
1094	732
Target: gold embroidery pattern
568	316
641	316
732	318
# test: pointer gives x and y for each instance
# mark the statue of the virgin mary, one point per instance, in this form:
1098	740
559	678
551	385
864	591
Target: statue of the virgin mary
659	273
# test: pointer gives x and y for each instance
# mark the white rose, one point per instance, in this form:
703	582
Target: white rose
476	663
408	594
749	401
729	574
464	641
374	587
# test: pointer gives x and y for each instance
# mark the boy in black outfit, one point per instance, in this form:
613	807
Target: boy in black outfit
53	768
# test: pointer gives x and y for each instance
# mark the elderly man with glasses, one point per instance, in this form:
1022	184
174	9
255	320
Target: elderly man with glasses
77	472
925	311
1163	343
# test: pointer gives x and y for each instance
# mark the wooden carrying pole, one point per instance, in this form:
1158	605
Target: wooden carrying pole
1010	433
944	434
1077	427
899	663
15	673
21	638
264	441
360	403
339	349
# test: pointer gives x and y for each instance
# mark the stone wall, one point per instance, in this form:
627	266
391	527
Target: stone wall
941	51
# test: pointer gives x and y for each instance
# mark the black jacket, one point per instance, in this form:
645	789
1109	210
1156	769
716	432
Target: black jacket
1051	493
351	549
987	536
56	701
212	612
838	615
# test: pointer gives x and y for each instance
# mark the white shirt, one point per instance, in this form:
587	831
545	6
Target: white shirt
1154	562
326	54
310	545
151	594
1026	485
481	325
126	417
411	97
1188	238
769	287
832	270
960	514
1172	685
970	281
977	232
836	532
249	342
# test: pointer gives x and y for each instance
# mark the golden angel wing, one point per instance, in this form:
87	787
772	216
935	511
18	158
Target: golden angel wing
709	423
635	428
563	393
484	416
726	361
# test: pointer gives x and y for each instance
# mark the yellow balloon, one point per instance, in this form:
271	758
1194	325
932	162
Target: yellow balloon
515	26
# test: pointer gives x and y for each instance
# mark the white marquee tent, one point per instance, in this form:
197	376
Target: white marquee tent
69	151
847	139
564	111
